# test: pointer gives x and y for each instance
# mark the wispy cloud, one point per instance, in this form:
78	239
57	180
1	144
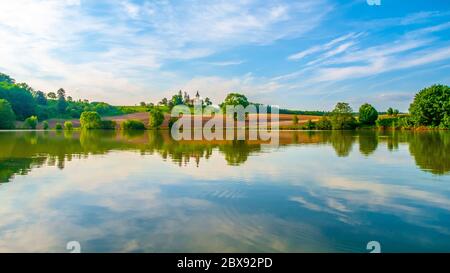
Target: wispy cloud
227	63
124	46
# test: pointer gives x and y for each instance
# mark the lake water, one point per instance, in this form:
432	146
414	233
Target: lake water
144	192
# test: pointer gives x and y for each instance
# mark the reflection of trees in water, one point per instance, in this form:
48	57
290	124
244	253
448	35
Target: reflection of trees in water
22	151
342	142
368	142
431	151
237	151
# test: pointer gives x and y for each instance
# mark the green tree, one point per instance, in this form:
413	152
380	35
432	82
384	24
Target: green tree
156	118
7	117
45	125
396	112
52	95
431	105
295	119
21	99
40	98
208	101
58	126
390	111
31	122
342	117
235	99
90	120
164	102
62	103
6	78
68	126
367	114
177	99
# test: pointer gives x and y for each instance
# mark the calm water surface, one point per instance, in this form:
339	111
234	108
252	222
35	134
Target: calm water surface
144	192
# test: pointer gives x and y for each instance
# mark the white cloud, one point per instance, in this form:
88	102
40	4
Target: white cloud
118	55
327	46
227	63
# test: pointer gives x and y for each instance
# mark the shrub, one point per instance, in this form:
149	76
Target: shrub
58	126
108	125
386	123
404	123
7	117
90	120
309	125
367	114
295	119
31	122
45	125
324	123
68	125
156	118
133	125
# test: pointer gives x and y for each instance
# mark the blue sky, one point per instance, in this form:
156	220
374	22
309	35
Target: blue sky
306	54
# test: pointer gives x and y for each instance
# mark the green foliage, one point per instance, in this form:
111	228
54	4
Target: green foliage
62	103
58	126
132	109
324	124
6	78
445	123
90	120
31	122
309	125
133	124
156	118
68	126
51	95
431	106
108	125
7	117
390	111
367	114
21	99
40	98
45	125
342	117
177	99
295	119
27	102
386	123
235	99
172	121
404	122
299	112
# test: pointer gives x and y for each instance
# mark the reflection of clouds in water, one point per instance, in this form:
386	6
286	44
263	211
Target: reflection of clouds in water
113	211
123	201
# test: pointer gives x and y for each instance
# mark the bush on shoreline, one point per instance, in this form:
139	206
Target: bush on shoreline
133	124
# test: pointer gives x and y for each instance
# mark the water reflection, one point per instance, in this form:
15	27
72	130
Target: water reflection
22	151
145	192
